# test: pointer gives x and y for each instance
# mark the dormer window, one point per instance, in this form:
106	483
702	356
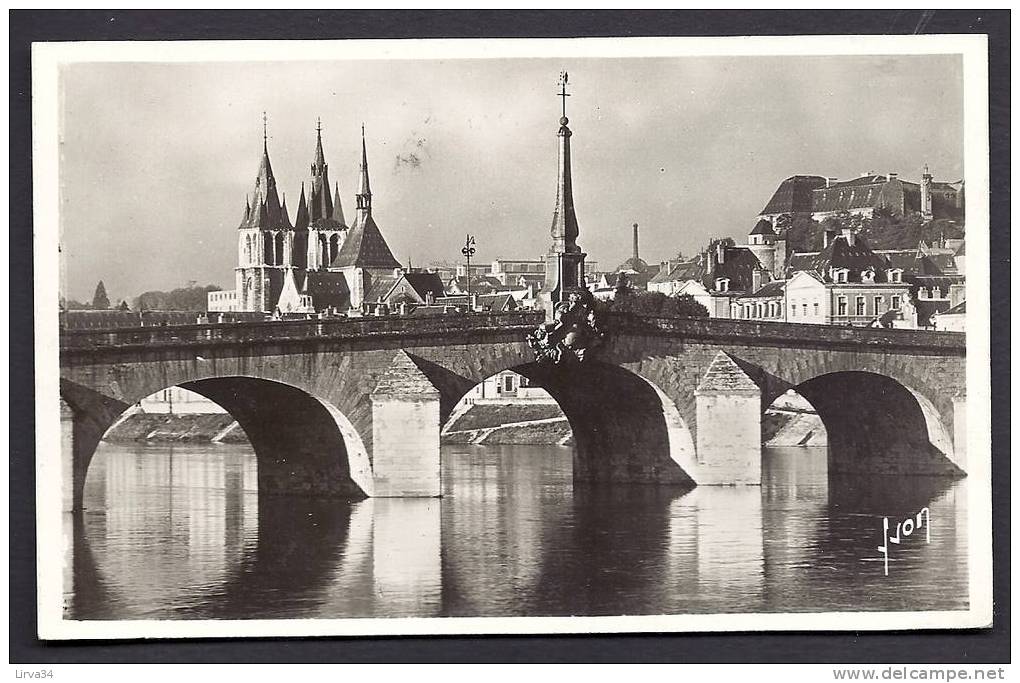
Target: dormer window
868	275
896	275
722	284
840	274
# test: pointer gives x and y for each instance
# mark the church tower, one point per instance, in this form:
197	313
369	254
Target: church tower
364	257
320	220
564	262
265	241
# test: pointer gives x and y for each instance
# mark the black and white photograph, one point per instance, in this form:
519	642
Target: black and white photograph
512	336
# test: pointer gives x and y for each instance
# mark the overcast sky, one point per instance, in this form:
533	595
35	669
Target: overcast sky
157	159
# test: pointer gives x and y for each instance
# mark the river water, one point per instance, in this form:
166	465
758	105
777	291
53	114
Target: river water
179	532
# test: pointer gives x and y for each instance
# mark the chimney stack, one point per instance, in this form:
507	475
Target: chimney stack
756	279
635	243
720	252
849	236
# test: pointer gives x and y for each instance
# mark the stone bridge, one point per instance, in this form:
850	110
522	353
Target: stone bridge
349	408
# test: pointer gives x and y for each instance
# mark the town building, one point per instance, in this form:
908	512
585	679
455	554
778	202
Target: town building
673	274
848	284
177	401
768	303
506	387
821	197
462	303
510	271
223	301
952	319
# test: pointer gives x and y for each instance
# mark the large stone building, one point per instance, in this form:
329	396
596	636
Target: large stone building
317	262
822	197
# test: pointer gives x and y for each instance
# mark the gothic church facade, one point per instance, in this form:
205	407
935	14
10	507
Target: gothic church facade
318	262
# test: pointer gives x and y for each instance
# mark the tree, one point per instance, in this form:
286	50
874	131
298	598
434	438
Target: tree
684	306
657	304
180	299
123	306
100	301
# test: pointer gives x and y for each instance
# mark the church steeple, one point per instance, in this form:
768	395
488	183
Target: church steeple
564	224
364	197
320	204
265	210
320	158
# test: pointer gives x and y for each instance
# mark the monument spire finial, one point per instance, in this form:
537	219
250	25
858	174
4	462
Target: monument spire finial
563	94
265	131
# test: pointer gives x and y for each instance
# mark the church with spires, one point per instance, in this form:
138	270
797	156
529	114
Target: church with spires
318	262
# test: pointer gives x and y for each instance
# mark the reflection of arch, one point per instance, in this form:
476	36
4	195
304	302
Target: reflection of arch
625	428
303	444
299	544
877	425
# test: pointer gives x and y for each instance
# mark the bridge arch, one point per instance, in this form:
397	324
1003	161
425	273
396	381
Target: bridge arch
876	424
303	443
625	428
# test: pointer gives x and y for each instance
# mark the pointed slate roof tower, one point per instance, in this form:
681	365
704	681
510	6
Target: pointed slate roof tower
301	218
365	247
320	203
338	212
265	210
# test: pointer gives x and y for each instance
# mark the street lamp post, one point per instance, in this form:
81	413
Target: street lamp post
469	251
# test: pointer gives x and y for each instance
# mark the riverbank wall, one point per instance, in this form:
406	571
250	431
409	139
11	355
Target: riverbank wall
483	424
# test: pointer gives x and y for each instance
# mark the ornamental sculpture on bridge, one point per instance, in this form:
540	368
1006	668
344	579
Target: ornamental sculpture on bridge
573	332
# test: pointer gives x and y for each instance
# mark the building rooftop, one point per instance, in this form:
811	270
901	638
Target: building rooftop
365	247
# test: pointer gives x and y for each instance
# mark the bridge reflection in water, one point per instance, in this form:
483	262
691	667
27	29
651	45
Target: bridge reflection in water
180	532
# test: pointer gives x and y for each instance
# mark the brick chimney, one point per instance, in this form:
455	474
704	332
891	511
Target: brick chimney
635	243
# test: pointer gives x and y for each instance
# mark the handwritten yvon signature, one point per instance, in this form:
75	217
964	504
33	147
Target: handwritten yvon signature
906	528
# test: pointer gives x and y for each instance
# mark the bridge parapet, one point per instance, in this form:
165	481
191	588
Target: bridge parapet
951	343
720	329
286	330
